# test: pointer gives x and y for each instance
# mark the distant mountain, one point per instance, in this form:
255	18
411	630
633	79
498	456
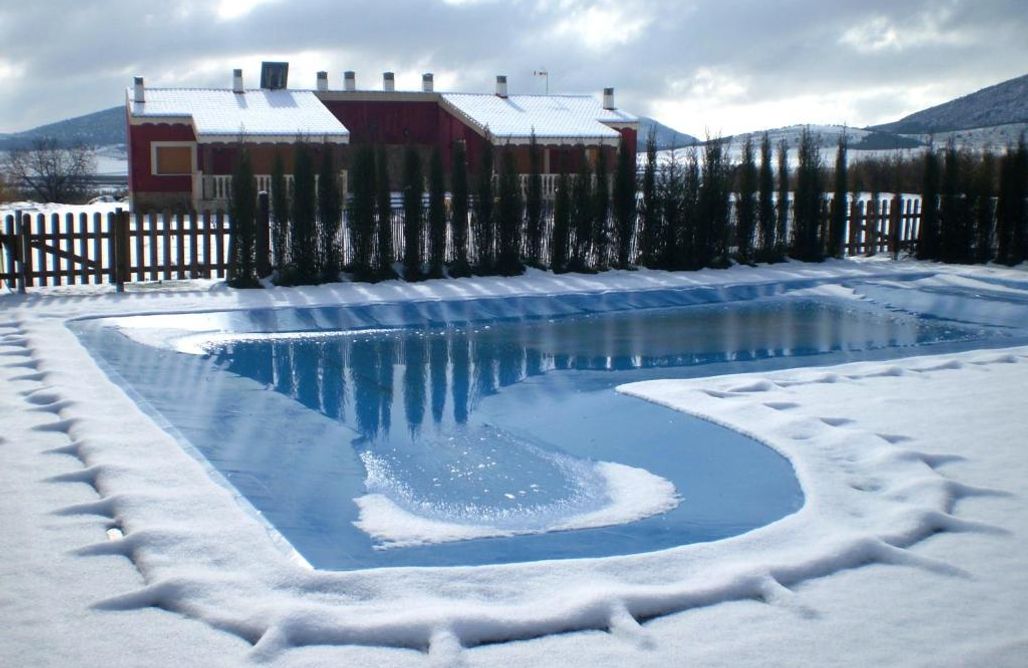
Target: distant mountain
1002	104
828	137
101	128
667	138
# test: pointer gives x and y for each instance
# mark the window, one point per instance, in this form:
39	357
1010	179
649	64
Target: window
172	158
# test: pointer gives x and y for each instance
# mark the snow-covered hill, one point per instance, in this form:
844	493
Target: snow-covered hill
1002	104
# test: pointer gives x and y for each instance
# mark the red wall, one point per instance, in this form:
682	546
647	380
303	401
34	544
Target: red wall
139	138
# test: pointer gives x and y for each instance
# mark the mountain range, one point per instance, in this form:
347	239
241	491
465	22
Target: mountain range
994	116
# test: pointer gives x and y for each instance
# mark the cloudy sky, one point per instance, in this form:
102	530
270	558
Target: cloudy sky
698	65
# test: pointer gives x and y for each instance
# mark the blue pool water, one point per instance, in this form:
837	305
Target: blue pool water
493	414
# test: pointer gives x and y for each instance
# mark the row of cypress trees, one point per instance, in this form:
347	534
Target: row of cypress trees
974	206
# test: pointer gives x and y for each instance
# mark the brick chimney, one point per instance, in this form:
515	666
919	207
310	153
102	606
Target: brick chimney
237	80
388	81
608	99
138	91
501	85
322	80
349	80
427	83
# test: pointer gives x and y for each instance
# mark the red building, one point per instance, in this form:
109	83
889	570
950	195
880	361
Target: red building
182	141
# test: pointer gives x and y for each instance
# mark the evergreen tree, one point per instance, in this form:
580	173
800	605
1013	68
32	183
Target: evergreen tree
601	212
362	212
928	233
509	217
651	231
413	214
561	225
766	201
303	235
806	237
713	225
984	191
330	216
436	215
688	254
534	204
837	226
485	230
459	211
782	223
624	203
384	216
581	218
951	205
279	213
746	206
243	214
670	246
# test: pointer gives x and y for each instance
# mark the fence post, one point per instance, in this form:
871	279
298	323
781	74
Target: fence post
263	235
121	248
18	247
24	259
895	223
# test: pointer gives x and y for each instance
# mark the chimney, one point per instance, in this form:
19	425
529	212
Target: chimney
388	81
608	99
237	81
427	83
349	80
501	85
138	91
322	80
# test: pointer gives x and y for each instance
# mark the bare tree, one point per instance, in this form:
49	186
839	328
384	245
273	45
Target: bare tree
51	172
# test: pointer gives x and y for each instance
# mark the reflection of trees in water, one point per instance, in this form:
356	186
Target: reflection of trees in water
469	364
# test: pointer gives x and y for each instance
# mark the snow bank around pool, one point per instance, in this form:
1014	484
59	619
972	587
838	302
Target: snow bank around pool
888	454
631	494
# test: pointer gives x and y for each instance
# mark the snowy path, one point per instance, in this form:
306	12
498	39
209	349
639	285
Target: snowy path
910	548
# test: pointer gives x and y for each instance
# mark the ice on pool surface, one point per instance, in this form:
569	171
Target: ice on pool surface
485	482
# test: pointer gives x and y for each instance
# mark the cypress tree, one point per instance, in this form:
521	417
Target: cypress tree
362	212
601	212
243	212
713	226
950	214
534	204
459	210
436	215
509	217
651	215
624	203
485	230
303	235
984	191
581	217
928	232
561	225
685	239
384	216
745	207
330	216
279	213
809	200
782	224
671	245
766	201
413	215
837	226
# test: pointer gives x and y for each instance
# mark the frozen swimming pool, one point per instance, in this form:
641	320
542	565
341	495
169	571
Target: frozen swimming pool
488	431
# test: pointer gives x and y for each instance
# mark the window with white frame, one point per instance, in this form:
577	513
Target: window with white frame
172	158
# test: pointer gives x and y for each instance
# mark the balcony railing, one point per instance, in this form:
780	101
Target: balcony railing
215	190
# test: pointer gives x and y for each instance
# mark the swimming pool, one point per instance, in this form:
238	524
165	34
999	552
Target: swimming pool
488	431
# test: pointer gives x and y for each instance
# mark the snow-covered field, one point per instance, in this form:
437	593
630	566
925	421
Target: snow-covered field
911	548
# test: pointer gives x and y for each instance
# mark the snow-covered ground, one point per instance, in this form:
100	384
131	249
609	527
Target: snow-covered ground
121	549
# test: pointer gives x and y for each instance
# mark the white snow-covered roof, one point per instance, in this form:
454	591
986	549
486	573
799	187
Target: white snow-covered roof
569	119
220	115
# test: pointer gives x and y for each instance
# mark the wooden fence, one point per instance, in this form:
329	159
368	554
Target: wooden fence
120	247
